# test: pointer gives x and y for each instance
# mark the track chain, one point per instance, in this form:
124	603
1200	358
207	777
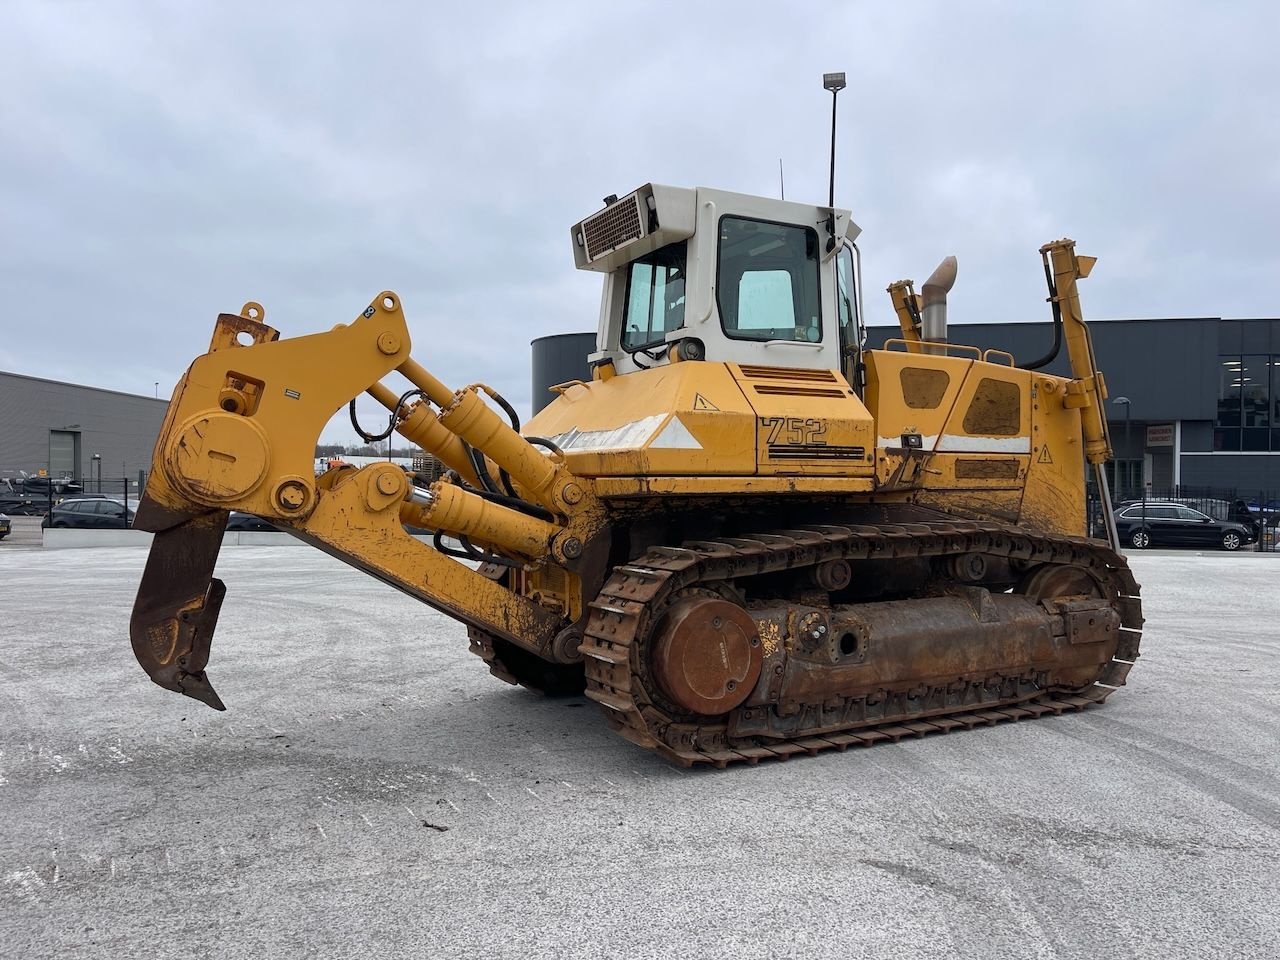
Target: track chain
633	598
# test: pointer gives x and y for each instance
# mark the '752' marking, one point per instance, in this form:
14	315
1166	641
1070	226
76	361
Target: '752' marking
794	431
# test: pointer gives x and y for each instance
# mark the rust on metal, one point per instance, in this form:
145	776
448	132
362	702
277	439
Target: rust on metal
834	676
707	654
176	610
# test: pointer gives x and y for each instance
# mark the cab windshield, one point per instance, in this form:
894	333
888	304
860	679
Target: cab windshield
767	281
655	297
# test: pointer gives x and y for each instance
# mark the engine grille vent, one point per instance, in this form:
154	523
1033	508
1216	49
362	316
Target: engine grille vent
782	390
613	227
755	372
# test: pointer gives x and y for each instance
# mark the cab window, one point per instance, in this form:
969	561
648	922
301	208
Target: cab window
767	281
845	295
655	297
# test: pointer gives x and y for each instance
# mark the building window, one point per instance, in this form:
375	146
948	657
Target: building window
1226	432
1255	400
1248	403
1274	367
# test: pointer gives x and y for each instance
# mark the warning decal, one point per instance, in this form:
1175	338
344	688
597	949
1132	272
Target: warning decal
702	403
1045	456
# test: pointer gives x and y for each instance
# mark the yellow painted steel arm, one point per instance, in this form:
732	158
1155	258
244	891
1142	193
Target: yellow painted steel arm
240	434
906	306
1088	391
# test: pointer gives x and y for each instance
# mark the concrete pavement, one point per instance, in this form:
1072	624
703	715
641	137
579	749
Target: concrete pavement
372	791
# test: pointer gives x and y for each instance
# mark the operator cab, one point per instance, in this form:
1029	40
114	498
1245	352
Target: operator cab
695	274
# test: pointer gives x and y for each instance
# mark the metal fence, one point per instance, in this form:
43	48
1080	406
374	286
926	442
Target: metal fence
37	496
1257	509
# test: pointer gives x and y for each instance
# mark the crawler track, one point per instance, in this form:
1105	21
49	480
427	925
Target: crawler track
623	615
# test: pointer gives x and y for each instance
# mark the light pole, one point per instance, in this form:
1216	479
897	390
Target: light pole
835	83
1128	432
95	471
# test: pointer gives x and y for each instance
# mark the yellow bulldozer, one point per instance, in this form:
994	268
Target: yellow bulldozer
745	536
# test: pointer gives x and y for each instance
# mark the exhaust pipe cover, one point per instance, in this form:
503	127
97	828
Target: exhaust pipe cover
934	292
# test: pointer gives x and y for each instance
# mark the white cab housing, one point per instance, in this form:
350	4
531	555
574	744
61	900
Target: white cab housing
756	280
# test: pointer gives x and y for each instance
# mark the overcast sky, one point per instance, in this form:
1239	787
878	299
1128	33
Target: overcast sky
163	162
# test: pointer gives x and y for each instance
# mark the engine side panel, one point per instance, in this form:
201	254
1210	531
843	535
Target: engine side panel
699	419
994	441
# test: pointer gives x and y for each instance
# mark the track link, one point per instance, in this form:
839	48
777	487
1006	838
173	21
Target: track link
634	596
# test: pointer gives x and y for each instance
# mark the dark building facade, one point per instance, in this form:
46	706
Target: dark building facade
96	437
1195	402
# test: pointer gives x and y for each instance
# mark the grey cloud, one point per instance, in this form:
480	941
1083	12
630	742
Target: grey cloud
162	163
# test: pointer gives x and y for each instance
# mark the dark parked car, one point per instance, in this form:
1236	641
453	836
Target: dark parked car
99	513
4	526
247	521
1173	525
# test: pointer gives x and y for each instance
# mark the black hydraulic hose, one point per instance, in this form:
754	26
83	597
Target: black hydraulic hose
488	556
482	470
1052	355
515	500
544	442
395	414
515	503
511	411
391	426
654	355
472	554
367	437
506	482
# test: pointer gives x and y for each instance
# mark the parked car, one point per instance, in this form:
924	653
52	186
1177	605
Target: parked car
99	513
248	521
4	526
1156	524
1216	508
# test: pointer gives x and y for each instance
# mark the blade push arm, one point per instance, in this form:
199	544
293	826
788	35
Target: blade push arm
1087	390
240	434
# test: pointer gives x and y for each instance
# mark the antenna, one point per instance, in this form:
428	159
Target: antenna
782	184
835	83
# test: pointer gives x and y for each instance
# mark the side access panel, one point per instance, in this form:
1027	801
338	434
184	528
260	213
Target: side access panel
973	423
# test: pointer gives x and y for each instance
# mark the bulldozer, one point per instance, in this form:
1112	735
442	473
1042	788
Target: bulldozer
746	536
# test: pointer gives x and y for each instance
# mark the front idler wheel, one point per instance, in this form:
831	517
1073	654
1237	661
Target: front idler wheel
707	657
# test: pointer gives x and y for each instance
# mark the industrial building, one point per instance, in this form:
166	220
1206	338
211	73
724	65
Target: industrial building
1195	402
96	437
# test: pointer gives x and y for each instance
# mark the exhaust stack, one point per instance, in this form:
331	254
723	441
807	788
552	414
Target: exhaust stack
934	293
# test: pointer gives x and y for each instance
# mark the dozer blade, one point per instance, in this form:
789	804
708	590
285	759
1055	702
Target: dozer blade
177	606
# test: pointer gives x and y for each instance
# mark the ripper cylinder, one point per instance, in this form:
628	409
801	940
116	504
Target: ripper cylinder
457	511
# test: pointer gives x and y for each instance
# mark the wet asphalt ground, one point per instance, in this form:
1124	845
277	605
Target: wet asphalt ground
372	791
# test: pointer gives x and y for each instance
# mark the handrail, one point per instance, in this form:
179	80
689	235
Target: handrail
928	346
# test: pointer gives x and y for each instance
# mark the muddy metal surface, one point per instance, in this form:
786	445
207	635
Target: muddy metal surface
373	791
